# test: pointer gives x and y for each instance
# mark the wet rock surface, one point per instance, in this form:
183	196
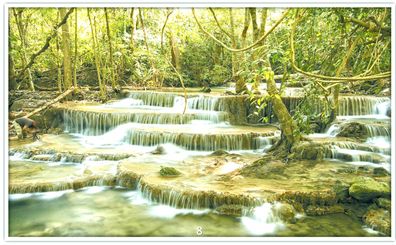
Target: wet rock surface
286	212
354	130
378	219
230	210
366	189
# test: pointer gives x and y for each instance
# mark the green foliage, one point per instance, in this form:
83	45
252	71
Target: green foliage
313	109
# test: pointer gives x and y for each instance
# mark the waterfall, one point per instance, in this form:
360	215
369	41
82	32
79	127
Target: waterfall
363	105
196	142
151	98
203	103
96	123
125	103
192	199
374	130
262	219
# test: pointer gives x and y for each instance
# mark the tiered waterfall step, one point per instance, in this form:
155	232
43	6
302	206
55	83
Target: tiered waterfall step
95	120
197	137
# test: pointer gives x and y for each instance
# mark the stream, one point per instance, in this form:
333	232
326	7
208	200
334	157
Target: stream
76	183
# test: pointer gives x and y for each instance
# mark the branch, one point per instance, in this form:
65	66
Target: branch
218	24
258	41
371	27
47	43
332	79
163	28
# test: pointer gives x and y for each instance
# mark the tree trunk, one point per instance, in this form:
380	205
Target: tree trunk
252	12
46	44
233	43
336	90
156	75
245	27
97	61
58	63
75	51
113	82
287	124
67	68
264	14
11	67
131	43
174	51
22	35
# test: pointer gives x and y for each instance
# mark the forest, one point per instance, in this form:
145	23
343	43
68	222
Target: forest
199	121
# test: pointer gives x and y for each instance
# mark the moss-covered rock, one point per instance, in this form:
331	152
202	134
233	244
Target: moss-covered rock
219	153
231	210
265	167
76	158
341	190
353	129
366	189
316	198
169	171
380	172
286	212
384	203
310	151
324	210
378	219
160	150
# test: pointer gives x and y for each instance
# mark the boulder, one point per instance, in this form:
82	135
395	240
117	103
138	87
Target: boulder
286	212
169	171
160	150
380	172
310	151
353	129
366	189
219	153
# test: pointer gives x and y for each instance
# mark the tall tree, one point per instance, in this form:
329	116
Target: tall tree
75	50
22	26
96	57
156	77
234	58
58	62
113	82
287	124
11	67
67	66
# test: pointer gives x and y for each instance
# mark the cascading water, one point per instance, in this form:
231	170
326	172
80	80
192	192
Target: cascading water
146	119
363	105
262	220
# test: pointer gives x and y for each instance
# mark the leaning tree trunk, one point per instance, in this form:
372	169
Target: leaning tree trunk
287	124
67	67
